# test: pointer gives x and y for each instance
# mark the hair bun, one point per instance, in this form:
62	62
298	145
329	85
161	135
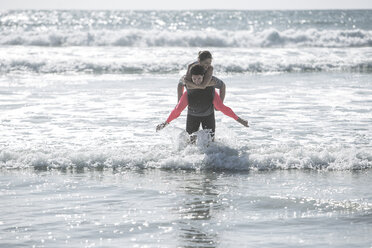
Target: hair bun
204	55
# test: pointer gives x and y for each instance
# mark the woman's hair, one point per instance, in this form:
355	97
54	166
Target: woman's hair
197	70
203	55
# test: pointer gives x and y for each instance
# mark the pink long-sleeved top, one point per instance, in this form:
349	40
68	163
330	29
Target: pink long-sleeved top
217	102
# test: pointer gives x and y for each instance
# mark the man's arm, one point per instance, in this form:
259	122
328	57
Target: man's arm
175	112
179	90
223	91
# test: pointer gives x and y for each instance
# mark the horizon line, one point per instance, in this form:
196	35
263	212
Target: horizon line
201	9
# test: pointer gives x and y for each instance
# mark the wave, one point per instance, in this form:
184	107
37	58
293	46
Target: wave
215	156
85	67
110	67
191	38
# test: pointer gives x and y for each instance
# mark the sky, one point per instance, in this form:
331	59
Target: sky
184	5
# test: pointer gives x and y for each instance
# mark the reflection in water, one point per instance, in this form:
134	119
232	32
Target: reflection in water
197	222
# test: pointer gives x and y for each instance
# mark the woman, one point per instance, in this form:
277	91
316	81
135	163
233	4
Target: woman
205	60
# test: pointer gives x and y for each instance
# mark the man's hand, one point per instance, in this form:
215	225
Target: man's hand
161	126
243	122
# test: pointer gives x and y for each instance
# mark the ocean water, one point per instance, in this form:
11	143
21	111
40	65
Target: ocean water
81	165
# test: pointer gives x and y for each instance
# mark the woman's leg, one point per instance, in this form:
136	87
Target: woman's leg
182	104
218	104
227	111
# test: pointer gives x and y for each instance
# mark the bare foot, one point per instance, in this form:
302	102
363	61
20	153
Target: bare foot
243	122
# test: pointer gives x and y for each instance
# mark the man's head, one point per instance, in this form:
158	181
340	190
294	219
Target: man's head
197	73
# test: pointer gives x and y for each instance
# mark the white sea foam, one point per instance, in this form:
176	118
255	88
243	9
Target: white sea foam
192	38
220	155
134	60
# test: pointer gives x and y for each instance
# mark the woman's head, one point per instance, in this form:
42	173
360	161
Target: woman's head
205	59
197	73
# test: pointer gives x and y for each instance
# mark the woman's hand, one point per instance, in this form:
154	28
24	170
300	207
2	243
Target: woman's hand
161	126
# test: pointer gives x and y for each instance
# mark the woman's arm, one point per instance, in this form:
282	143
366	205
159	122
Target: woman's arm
175	112
191	85
207	80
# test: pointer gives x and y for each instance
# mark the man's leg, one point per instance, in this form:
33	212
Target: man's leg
192	125
209	122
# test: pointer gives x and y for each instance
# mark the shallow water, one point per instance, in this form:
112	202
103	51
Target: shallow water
167	208
316	121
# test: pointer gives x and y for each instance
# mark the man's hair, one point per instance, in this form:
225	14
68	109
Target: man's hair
203	55
197	70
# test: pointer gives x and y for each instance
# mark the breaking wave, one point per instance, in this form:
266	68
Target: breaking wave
202	156
192	38
143	67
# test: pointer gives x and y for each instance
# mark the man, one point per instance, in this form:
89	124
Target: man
201	104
